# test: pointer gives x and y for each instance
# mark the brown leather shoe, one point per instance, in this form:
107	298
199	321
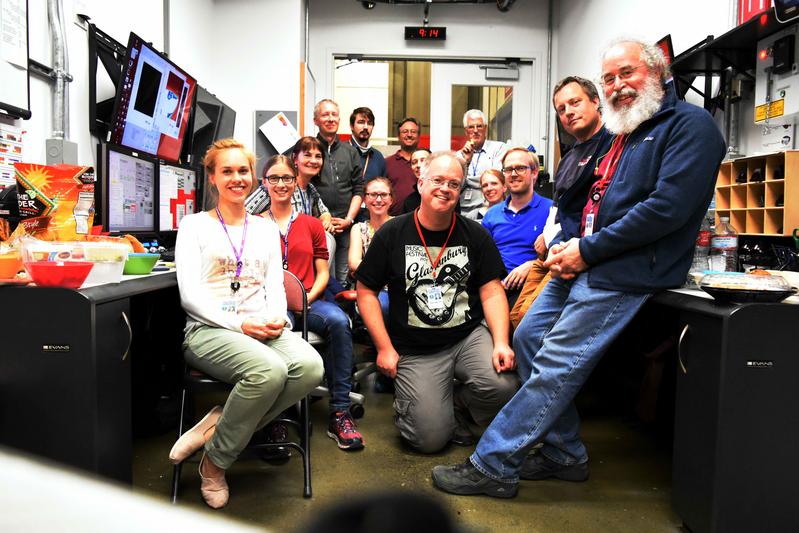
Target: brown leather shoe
196	437
214	489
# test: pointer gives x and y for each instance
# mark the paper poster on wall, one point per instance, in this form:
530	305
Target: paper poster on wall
10	153
280	132
13	33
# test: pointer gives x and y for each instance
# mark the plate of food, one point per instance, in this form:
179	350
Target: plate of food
755	286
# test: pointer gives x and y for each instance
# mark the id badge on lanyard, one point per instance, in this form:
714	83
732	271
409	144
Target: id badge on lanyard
589	225
435	300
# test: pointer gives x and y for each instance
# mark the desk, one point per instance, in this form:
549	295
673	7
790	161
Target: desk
736	430
65	369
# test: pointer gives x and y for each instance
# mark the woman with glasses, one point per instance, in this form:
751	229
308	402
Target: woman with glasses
304	253
379	195
230	278
492	183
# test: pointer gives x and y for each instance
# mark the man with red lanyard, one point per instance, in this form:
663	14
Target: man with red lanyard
638	232
448	315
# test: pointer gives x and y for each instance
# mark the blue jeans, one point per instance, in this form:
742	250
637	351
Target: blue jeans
560	340
328	320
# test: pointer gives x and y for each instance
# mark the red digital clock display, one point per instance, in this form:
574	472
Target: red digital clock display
425	33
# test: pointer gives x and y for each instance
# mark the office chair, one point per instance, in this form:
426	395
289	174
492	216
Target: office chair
196	381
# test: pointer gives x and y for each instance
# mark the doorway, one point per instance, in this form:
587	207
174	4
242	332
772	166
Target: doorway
437	94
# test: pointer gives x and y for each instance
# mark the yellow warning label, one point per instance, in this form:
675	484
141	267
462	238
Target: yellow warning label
777	110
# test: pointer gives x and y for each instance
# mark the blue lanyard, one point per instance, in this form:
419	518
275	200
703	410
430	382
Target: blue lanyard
306	205
476	163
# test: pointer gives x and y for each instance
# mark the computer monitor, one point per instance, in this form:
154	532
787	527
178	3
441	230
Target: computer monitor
177	195
128	191
153	103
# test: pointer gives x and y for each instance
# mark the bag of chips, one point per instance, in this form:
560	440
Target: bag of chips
56	202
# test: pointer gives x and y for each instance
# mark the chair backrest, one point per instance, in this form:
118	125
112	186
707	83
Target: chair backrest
296	299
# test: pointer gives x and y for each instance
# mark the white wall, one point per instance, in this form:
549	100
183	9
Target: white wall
246	52
583	28
146	20
473	31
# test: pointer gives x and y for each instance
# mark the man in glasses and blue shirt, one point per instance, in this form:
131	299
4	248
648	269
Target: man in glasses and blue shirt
517	222
636	237
479	154
448	315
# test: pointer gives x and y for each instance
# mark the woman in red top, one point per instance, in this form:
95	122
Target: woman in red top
305	255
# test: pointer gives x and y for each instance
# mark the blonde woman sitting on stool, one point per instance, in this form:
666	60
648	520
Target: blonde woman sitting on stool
230	276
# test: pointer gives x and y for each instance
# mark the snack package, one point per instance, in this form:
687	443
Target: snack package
56	202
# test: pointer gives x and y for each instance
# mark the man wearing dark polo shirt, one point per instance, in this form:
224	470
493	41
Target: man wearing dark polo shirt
398	166
517	222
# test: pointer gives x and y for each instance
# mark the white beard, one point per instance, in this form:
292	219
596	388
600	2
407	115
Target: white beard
626	119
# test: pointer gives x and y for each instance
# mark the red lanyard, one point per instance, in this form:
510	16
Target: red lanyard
434	264
608	165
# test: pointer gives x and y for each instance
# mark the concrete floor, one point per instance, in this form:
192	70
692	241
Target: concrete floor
629	487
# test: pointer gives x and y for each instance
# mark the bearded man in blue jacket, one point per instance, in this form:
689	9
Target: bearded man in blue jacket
637	234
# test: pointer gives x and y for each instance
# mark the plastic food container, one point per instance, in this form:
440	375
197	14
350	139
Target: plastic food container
744	288
10	264
108	258
140	263
69	274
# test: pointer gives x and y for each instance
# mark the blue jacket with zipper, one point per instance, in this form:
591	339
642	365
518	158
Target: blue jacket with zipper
646	226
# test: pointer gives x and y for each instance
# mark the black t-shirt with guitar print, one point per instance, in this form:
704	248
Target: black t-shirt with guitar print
427	314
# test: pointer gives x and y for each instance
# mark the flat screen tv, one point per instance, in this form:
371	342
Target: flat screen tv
153	103
177	195
128	188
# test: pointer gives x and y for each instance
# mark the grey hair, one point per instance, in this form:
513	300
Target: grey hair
438	155
474	113
318	106
651	55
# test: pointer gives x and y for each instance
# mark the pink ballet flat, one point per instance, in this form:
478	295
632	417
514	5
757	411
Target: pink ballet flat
195	438
215	491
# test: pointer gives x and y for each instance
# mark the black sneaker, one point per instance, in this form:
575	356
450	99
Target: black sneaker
465	479
342	430
536	467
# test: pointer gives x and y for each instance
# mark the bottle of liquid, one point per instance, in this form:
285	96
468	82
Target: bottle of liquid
701	251
724	247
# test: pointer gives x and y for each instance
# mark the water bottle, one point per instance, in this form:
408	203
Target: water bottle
701	251
724	247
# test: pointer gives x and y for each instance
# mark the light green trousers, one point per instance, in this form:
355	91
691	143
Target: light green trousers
267	378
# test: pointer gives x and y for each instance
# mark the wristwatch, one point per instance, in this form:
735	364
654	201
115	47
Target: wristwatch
349	220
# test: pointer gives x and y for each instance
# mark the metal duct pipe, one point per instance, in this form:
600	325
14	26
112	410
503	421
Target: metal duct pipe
60	122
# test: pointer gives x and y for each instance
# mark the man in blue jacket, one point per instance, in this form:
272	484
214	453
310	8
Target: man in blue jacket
636	237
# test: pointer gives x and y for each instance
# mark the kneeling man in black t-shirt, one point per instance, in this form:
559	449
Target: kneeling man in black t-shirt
448	315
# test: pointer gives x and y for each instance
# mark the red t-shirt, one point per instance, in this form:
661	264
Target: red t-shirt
307	242
402	179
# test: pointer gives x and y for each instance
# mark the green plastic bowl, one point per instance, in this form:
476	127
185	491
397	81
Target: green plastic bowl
140	263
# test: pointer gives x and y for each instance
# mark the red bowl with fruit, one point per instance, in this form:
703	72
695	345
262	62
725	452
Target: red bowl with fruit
69	274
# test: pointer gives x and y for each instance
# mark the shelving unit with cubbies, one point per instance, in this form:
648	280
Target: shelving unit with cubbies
760	194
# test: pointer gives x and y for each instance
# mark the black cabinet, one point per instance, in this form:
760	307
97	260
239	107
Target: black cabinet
65	372
736	431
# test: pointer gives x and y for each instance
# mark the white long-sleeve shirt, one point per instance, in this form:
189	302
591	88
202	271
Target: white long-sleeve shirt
206	266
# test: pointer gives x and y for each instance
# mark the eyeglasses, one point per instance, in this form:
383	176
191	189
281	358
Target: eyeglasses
273	180
475	127
625	73
376	195
411	132
441	183
520	169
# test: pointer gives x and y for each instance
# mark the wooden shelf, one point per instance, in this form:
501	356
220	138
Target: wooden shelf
767	203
